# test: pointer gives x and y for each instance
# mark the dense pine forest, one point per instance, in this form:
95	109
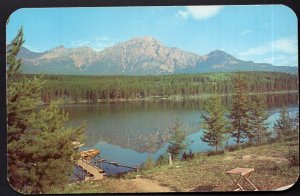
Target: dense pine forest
98	88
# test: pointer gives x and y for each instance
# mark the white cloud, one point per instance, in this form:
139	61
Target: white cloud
273	59
102	45
102	38
97	43
200	12
283	52
245	32
183	14
282	60
78	43
289	61
285	45
32	48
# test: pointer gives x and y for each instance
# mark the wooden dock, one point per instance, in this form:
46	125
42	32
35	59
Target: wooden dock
118	164
97	174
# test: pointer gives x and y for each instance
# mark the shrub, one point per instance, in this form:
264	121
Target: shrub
184	156
187	156
232	148
191	154
162	160
293	156
271	140
215	152
240	146
247	144
149	163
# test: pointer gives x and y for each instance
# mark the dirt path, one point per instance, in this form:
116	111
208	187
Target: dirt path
140	185
258	157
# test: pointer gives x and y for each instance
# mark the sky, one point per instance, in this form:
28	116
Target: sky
261	33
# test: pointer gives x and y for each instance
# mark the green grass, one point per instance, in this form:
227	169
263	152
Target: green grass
272	170
103	186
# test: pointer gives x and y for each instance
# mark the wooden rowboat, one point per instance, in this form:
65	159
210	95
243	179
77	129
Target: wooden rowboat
89	153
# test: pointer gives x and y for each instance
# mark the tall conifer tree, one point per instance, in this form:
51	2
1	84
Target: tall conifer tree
283	125
40	148
239	110
177	141
257	121
296	122
214	123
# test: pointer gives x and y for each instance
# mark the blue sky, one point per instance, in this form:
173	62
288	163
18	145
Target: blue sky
264	33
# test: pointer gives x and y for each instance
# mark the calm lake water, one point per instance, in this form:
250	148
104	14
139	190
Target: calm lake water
129	132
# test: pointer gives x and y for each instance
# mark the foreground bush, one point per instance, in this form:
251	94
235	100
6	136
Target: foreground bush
293	156
215	152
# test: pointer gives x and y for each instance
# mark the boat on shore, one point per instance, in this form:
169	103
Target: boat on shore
89	154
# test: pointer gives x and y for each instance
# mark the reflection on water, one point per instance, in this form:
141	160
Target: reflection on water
127	132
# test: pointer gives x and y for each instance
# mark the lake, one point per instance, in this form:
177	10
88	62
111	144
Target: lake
129	132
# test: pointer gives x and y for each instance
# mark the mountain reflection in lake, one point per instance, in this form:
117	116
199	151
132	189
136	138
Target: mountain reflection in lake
127	132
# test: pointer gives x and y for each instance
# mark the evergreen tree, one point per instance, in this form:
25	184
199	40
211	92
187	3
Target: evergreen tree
114	87
51	150
257	125
22	96
40	148
11	55
296	123
239	110
177	141
214	123
149	163
283	125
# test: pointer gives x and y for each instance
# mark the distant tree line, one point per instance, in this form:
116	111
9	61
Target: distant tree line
92	88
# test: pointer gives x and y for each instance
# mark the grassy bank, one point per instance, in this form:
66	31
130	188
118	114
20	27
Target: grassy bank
208	173
203	173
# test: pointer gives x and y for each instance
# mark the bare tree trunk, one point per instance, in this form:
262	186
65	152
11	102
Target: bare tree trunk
170	159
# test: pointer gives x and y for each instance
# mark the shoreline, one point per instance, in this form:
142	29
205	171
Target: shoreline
161	98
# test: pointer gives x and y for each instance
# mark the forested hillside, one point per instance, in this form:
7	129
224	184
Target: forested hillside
93	88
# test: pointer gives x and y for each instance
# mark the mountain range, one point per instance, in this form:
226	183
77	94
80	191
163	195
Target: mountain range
138	56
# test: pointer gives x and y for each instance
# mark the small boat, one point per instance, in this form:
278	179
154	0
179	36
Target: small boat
77	144
89	153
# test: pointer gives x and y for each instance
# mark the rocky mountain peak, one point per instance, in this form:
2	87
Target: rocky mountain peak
138	56
55	52
82	49
146	38
60	47
220	57
27	54
145	41
218	53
